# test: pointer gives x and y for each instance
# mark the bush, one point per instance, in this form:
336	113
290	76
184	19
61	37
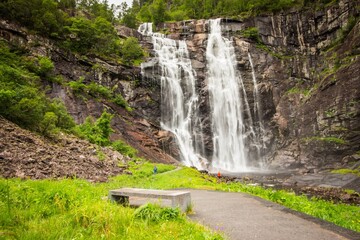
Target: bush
48	124
155	213
178	15
119	100
131	50
46	66
251	33
97	90
124	148
77	86
97	132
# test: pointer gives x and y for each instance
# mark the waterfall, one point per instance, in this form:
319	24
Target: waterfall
258	141
179	100
225	102
236	126
146	29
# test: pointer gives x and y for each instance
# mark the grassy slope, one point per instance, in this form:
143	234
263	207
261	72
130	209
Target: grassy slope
76	209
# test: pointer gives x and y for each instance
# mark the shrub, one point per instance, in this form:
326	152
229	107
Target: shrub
48	124
97	132
252	33
124	148
77	86
155	213
97	90
119	100
131	50
46	66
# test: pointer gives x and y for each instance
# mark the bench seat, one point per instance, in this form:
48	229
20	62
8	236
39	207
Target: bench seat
179	198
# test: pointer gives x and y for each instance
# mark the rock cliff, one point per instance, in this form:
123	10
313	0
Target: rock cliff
307	67
306	63
139	128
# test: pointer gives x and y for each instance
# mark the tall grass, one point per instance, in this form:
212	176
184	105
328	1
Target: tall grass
77	209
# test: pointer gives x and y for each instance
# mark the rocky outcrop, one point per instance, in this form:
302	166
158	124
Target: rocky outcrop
307	65
139	128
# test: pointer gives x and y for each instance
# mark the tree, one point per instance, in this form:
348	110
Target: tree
158	11
131	50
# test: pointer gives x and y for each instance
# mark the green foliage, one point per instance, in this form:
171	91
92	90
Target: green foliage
97	91
178	15
124	148
91	35
77	86
97	132
97	8
43	16
327	139
252	33
86	27
21	97
119	100
48	124
131	50
155	213
157	11
298	90
127	15
347	171
45	67
74	209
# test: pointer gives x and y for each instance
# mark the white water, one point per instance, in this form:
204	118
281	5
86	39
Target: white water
258	141
225	102
237	143
146	29
178	96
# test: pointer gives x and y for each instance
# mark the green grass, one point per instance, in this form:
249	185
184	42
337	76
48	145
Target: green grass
327	139
77	209
347	171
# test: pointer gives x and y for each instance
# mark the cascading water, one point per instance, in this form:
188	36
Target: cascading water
225	102
146	29
258	141
237	128
179	99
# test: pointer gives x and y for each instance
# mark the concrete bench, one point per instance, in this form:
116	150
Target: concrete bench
181	199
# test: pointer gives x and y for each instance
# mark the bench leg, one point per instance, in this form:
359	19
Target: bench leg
183	202
123	200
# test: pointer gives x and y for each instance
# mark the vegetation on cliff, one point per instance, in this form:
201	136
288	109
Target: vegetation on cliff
158	11
22	99
82	26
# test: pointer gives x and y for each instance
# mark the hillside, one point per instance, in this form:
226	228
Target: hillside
304	60
25	155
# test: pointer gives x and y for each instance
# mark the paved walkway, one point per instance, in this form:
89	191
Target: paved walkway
244	217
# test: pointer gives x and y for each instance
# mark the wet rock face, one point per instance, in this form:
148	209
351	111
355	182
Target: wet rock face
308	81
